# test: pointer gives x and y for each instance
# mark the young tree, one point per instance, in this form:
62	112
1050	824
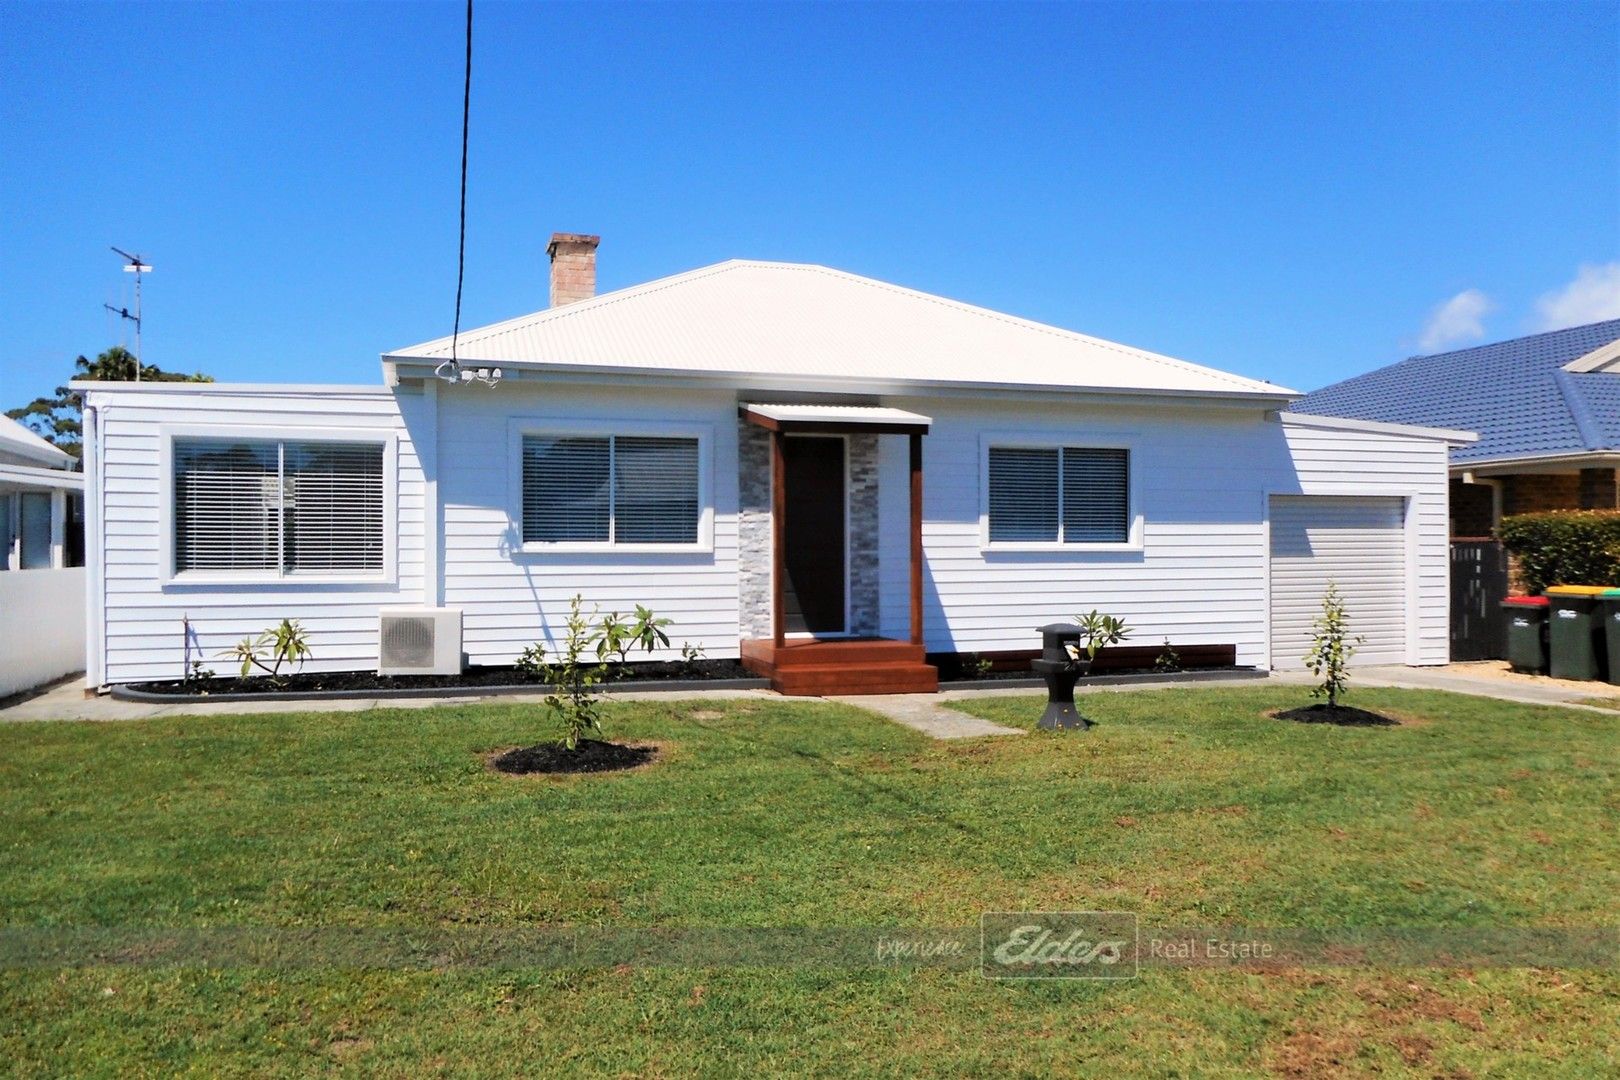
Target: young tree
56	418
1331	648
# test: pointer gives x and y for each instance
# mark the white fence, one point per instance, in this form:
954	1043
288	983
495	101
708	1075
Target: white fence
41	627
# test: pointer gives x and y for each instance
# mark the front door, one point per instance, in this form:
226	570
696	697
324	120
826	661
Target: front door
814	535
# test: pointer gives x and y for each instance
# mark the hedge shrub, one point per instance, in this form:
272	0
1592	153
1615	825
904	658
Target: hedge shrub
1564	547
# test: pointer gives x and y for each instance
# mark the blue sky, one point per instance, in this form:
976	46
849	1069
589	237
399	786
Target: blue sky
1292	192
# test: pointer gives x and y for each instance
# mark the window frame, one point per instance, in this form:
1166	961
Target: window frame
169	576
1024	440
563	427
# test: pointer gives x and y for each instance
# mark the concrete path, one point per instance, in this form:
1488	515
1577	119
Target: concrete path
924	713
1485	679
66	701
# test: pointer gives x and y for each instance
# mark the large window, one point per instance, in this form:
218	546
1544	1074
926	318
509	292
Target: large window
611	489
278	506
1067	495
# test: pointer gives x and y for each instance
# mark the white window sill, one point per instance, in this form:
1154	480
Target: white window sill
1057	548
577	548
216	578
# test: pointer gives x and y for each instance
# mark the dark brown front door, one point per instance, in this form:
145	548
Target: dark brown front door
814	535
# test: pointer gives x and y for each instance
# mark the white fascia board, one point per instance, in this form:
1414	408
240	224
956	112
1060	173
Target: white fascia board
407	367
93	386
1380	427
41	477
1586	459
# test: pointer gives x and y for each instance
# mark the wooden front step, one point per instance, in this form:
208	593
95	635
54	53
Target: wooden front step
821	680
809	667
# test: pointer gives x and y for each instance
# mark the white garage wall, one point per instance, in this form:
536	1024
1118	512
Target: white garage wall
1337	461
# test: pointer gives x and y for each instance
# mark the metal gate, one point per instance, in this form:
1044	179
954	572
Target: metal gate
1479	584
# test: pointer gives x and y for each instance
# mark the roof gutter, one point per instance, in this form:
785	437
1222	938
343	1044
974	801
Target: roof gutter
1586	459
410	367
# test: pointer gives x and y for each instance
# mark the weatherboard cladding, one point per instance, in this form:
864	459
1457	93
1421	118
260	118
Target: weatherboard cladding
1514	393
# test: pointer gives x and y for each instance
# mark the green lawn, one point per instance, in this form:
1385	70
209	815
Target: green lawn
1188	807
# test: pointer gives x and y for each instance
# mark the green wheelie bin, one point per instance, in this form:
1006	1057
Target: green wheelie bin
1575	632
1526	618
1611	624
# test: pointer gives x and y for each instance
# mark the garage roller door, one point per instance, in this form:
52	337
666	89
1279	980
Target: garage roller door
1358	543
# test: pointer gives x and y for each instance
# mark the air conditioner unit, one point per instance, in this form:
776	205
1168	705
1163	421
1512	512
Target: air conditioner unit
419	641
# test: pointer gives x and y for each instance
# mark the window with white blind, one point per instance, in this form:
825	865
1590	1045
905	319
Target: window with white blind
611	490
276	507
1058	495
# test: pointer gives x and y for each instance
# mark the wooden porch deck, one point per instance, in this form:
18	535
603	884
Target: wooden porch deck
816	667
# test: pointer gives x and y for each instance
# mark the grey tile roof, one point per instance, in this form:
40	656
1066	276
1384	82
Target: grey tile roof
1514	393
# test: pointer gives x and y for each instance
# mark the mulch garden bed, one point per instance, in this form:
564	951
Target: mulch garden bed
588	756
1341	715
471	679
952	673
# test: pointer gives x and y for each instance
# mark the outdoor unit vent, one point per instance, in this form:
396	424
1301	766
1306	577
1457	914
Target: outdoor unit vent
419	641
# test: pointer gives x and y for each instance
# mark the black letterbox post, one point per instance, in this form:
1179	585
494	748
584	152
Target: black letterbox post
1060	670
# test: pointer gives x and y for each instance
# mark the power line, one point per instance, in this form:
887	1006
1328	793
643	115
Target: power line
461	244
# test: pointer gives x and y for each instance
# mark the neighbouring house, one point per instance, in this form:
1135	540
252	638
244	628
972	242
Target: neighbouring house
834	478
1546	407
42	624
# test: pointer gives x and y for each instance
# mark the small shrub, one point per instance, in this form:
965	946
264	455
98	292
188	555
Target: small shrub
648	630
617	635
691	657
1332	648
285	644
196	674
574	680
1097	632
531	662
978	666
1168	661
1564	547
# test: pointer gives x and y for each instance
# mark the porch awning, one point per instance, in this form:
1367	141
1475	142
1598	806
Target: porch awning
835	418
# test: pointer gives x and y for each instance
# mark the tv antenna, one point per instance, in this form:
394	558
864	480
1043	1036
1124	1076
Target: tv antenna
134	264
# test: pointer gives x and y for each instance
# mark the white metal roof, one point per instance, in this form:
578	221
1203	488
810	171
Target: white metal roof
18	440
789	320
838	414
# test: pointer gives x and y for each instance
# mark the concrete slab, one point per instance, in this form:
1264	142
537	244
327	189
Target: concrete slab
66	701
925	713
1485	679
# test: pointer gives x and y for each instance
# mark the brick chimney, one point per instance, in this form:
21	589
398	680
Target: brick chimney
573	267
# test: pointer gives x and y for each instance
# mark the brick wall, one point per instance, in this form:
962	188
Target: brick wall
573	267
1597	490
1528	494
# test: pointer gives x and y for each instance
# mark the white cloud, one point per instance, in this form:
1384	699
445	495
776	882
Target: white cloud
1456	321
1592	297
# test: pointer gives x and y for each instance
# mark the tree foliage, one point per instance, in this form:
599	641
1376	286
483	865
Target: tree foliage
1564	547
1332	648
56	418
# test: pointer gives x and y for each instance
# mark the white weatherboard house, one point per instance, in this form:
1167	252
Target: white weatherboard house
788	461
41	561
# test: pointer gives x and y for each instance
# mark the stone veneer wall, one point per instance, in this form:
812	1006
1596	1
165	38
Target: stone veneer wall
863	535
754	531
